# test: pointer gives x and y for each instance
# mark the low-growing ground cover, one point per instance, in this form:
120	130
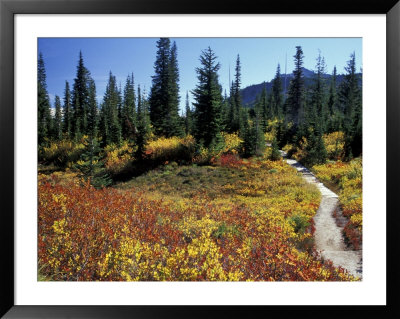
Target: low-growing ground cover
347	178
235	220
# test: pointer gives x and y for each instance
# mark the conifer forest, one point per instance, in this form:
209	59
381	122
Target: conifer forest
149	184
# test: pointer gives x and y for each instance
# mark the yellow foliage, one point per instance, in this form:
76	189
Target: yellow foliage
64	151
297	152
170	149
334	145
118	157
232	143
270	133
252	230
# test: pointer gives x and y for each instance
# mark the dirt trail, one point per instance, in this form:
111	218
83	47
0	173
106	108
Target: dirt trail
328	234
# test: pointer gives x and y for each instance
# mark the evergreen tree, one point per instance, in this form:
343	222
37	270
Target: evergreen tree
67	118
92	116
91	164
294	106
57	123
357	126
318	97
259	139
336	116
315	150
275	154
111	130
172	123
129	109
266	111
244	121
246	134
277	94
80	97
164	93
188	116
350	100
236	96
232	125
225	113
207	94
120	107
76	122
160	83
143	125
253	135
44	114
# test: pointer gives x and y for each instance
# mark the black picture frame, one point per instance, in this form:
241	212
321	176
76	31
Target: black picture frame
8	8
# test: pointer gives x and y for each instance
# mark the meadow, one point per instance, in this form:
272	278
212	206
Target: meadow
137	186
232	219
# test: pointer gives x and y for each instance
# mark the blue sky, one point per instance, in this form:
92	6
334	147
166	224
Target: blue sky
259	58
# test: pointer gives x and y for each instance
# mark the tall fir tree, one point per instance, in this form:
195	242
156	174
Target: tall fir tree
265	108
143	125
164	93
67	110
277	94
246	134
225	112
172	123
258	122
129	109
208	100
120	107
244	120
237	96
188	116
232	125
357	138
110	128
160	82
335	115
350	100
57	122
92	116
294	106
80	97
44	114
318	99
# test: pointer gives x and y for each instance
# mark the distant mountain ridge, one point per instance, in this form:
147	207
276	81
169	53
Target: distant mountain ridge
250	93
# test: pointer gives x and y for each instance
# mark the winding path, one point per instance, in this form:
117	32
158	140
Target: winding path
328	230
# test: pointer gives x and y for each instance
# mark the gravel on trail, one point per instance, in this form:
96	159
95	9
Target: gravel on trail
328	229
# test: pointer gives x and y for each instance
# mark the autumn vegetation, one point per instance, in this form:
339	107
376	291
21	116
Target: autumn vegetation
129	190
235	220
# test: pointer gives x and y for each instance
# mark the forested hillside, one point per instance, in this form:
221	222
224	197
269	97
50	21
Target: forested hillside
249	93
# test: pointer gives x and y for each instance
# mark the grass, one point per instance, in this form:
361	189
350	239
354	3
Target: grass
187	181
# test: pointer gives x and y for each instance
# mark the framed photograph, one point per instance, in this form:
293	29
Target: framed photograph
171	159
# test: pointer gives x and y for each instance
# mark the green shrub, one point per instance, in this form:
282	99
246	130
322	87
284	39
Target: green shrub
300	223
